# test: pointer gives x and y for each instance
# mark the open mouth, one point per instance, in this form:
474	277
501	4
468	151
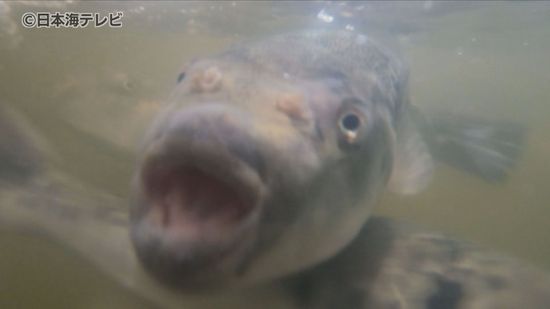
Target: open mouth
199	198
198	208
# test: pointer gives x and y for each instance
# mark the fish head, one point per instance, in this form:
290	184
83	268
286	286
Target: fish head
250	174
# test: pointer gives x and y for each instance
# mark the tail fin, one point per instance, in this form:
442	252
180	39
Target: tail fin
487	149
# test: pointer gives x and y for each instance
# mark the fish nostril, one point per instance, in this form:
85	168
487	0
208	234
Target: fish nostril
209	80
293	106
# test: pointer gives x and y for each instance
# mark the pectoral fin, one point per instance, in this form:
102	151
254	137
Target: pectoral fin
413	165
485	149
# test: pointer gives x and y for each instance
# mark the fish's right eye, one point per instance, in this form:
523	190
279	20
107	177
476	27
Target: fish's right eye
181	77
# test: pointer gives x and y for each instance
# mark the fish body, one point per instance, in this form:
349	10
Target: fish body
393	264
299	132
297	135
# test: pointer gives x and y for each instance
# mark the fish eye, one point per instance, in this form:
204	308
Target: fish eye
181	77
353	124
350	122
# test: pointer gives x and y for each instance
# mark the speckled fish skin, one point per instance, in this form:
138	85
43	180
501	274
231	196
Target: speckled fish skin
396	265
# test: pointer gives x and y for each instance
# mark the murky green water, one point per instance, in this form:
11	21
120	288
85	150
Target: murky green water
92	91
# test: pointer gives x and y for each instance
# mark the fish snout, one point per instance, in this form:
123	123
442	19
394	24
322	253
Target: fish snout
199	193
216	129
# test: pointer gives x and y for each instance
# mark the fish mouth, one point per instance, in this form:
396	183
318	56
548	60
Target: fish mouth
200	195
201	206
186	194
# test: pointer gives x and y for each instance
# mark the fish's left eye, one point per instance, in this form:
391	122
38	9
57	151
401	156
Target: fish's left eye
181	77
353	124
350	122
